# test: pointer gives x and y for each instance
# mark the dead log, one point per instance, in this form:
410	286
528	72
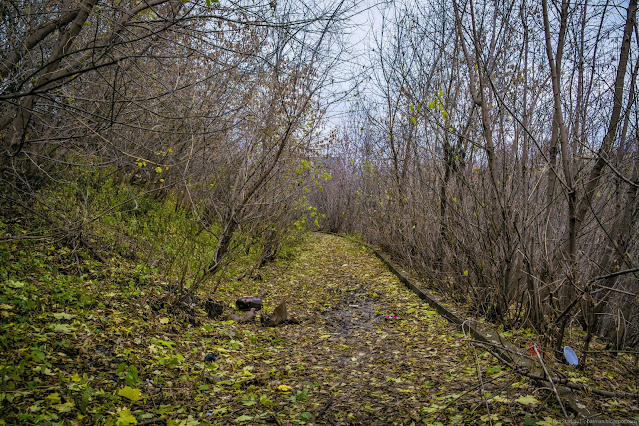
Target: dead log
247	317
279	316
245	303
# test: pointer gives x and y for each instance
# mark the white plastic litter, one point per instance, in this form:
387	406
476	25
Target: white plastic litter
570	355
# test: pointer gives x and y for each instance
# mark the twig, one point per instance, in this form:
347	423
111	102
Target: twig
550	379
612	351
473	389
579	386
325	408
615	274
481	381
512	365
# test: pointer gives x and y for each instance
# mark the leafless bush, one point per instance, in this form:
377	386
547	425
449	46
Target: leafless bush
498	158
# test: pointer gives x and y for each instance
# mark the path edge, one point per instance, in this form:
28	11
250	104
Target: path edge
504	350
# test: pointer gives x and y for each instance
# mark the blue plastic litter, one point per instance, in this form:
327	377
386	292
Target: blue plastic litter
570	355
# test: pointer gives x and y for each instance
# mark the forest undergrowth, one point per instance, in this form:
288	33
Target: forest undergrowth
110	347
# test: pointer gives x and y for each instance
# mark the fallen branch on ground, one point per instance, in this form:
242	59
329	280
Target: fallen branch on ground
247	317
580	386
279	316
559	380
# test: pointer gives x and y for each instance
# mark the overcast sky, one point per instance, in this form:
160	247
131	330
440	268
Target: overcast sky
361	31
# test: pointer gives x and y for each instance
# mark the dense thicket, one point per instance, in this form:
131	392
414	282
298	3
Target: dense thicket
495	151
214	103
493	146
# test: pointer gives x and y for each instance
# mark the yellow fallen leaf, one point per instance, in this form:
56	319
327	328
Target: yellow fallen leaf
131	393
126	418
325	336
527	400
164	320
284	388
64	408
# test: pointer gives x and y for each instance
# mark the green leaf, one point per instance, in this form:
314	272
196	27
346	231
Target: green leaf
498	398
249	399
243	418
14	284
54	398
299	396
121	368
495	369
130	393
64	408
126	418
266	401
62	328
527	400
64	315
86	398
131	377
165	343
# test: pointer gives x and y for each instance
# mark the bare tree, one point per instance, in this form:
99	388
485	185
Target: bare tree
516	146
214	103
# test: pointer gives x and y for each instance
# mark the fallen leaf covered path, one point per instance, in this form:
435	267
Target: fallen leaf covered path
113	349
368	351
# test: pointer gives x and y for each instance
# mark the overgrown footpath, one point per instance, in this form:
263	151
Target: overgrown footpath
114	350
